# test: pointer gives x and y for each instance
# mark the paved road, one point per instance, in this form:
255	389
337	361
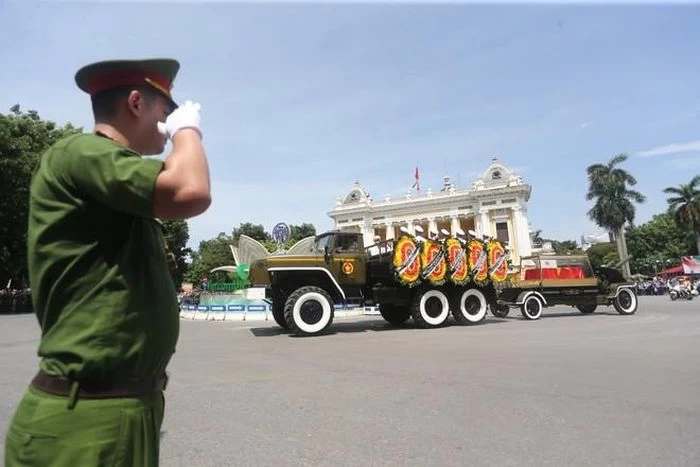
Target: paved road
567	390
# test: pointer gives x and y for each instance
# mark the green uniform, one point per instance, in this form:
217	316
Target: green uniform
105	301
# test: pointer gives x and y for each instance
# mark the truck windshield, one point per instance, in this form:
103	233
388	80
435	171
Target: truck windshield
321	243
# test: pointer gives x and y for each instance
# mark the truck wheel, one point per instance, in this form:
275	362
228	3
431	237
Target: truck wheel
394	314
278	302
626	302
430	308
500	311
308	311
586	309
471	307
532	307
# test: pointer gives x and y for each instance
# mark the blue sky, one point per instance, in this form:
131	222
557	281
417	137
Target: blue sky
300	100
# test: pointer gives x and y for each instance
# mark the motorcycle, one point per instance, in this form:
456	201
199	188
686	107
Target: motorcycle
682	293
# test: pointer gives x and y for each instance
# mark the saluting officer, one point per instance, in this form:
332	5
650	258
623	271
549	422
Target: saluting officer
98	271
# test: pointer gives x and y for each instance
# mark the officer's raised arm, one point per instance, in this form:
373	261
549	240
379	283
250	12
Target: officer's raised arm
183	187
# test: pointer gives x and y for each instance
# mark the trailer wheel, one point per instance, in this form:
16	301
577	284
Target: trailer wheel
430	308
532	307
308	311
626	301
471	307
500	311
587	309
394	314
278	302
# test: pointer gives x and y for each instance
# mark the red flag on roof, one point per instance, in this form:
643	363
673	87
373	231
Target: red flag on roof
416	183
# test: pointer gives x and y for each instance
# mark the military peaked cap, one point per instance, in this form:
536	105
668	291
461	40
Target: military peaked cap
101	76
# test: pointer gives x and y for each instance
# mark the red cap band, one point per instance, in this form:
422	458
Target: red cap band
112	79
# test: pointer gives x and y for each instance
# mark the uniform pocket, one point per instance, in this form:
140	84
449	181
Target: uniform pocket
24	448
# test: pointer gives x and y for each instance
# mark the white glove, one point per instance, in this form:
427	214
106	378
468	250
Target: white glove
185	116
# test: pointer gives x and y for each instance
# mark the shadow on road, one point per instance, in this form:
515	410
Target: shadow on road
564	314
578	314
366	325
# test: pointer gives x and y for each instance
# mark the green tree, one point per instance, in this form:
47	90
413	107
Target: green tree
658	244
568	247
536	238
24	136
685	206
614	200
210	254
565	247
176	233
560	247
302	231
256	232
602	253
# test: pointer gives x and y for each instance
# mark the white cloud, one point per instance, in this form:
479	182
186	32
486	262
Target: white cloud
671	149
584	125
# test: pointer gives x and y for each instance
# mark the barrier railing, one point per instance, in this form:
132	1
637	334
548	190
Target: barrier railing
233	286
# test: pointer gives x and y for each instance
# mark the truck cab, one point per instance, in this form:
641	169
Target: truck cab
304	288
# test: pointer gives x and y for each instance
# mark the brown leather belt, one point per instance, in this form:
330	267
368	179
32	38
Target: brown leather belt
61	386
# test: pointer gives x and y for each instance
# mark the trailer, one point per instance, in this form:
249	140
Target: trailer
545	281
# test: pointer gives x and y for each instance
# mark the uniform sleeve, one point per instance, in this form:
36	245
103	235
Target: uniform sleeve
115	176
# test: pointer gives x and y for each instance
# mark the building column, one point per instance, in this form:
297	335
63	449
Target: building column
432	225
389	234
523	246
368	233
483	223
410	228
454	225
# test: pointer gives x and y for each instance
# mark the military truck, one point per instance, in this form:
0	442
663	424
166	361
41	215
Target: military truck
410	277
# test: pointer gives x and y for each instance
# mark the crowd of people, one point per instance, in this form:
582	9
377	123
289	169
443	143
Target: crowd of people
662	286
15	301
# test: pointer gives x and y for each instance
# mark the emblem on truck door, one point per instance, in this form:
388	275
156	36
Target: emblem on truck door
347	268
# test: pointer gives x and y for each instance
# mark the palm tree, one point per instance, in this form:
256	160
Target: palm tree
536	238
685	206
613	208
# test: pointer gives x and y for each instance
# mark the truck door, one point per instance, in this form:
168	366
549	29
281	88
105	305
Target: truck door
348	263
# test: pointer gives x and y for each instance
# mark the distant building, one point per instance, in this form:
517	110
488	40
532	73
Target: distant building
495	206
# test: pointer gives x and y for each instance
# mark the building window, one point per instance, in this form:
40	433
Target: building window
502	232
